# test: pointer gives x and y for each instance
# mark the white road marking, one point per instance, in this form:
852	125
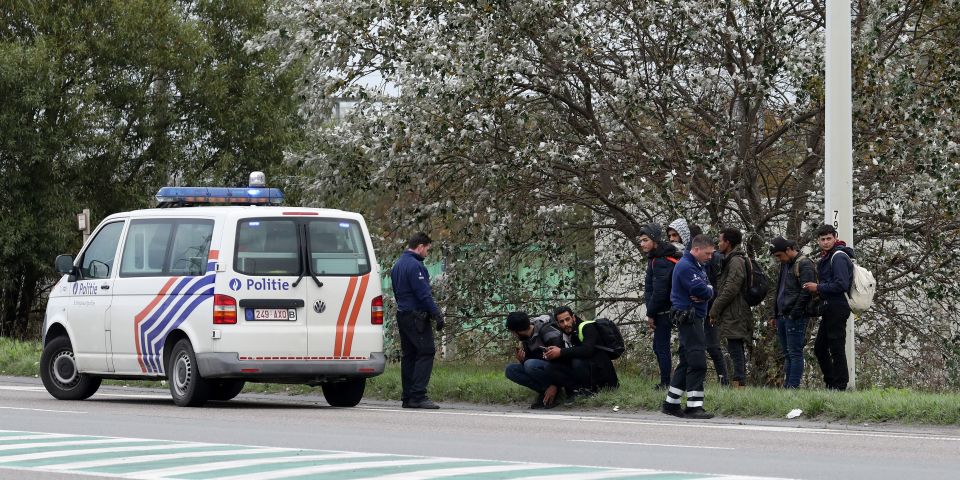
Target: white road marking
98	394
131	395
294	472
37	436
61	453
290	463
679	424
190	469
22	389
159	457
65	443
41	410
653	444
450	472
606	474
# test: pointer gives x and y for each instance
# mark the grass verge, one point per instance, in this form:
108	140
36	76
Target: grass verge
485	384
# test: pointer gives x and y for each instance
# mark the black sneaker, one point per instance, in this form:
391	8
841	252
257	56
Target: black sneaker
671	409
697	413
538	403
425	404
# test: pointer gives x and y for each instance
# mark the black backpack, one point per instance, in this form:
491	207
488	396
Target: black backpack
610	337
756	286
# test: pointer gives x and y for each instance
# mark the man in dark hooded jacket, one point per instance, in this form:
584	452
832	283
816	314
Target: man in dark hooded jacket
661	258
532	370
835	272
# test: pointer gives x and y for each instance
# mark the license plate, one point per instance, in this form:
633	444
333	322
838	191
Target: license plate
273	314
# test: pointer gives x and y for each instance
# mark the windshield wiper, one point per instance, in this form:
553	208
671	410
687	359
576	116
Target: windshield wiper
309	257
303	269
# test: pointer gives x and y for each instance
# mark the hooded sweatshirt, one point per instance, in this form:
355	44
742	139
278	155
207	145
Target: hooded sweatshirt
680	225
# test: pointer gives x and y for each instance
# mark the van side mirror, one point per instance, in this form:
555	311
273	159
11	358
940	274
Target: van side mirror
64	264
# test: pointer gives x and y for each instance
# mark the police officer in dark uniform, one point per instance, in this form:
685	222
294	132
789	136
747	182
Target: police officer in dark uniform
417	313
690	295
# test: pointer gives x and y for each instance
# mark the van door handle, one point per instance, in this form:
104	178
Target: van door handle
105	287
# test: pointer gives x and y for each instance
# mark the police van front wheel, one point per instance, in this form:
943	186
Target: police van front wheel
60	375
344	394
187	387
224	390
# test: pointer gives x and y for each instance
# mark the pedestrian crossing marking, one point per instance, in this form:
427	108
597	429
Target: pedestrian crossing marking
194	471
147	459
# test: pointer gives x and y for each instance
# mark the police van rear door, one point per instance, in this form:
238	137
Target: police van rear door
267	264
343	291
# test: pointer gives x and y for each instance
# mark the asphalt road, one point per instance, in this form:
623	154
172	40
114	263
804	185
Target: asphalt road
274	425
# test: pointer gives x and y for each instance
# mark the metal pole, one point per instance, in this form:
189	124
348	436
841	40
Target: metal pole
838	162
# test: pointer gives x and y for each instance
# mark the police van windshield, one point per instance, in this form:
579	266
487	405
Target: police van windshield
268	246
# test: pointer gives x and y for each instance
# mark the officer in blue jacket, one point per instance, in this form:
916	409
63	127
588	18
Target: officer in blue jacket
690	296
416	311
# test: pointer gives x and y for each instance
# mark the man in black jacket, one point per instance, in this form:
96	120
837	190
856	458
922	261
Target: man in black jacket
661	258
532	370
790	309
834	272
590	367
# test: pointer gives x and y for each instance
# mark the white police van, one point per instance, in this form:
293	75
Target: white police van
210	297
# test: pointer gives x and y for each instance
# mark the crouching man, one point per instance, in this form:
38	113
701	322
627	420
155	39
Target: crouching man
532	370
583	365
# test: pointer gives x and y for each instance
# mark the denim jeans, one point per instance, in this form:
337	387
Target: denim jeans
712	334
791	335
532	373
661	345
735	347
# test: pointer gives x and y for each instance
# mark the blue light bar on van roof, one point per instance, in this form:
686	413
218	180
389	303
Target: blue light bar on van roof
188	196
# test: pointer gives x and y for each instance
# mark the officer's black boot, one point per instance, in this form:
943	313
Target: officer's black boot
671	409
697	413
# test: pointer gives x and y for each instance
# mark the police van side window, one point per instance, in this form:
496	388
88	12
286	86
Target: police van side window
337	247
191	246
98	259
166	247
267	247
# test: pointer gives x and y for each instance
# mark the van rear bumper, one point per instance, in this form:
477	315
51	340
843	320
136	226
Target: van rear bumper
229	365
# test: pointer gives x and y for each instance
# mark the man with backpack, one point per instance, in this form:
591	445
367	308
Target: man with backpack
689	296
834	270
790	311
661	258
591	365
730	310
532	370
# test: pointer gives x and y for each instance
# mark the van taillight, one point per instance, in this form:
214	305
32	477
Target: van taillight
224	310
376	311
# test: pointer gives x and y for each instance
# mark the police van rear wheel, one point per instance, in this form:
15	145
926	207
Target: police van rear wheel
60	375
224	390
344	394
187	387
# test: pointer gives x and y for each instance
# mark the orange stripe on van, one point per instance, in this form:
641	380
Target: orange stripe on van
344	308
357	305
143	313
